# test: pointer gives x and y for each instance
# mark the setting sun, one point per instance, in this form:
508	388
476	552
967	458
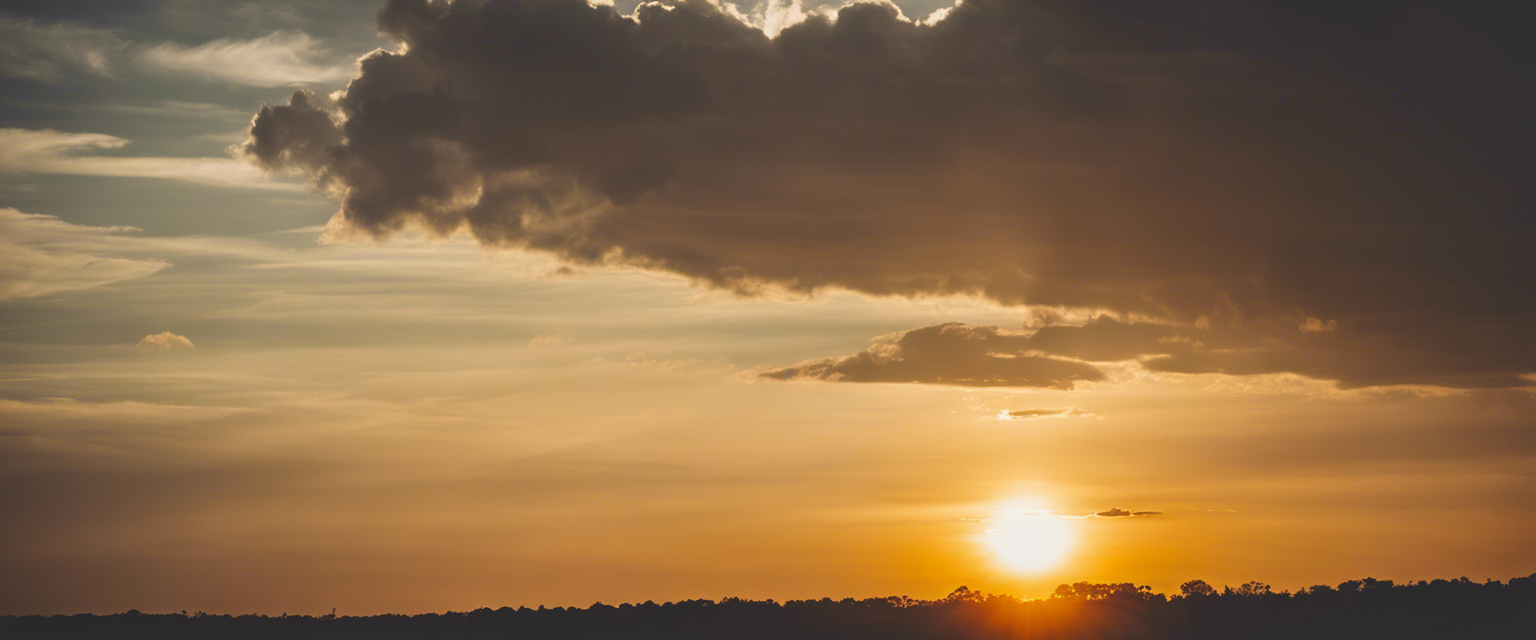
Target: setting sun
1030	541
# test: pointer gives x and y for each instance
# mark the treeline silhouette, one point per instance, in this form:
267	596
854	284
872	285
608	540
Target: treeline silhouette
1356	609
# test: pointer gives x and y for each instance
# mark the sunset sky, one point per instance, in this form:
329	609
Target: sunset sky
415	305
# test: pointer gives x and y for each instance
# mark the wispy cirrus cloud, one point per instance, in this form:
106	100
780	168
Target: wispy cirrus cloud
281	58
38	51
180	109
49	52
1030	414
42	255
45	151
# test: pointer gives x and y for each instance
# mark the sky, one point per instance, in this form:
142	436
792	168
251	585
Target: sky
414	305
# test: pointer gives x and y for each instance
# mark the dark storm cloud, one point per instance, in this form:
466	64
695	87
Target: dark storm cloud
1231	174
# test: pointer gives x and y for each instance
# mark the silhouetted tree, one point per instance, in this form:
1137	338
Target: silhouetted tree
1253	589
1197	589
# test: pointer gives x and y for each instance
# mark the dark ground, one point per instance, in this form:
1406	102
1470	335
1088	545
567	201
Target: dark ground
1356	609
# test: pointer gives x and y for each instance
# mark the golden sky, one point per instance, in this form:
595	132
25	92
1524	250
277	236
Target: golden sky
543	302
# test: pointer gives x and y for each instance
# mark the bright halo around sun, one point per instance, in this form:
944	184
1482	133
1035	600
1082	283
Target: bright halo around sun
1030	541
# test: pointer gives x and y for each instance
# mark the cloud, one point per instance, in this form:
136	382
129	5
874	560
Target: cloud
1111	513
1027	414
42	151
1230	172
49	52
42	255
1121	513
182	109
1255	347
1054	356
165	341
53	416
56	152
951	354
1314	325
277	59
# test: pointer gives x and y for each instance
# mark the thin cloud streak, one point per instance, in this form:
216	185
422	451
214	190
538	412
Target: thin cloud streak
47	52
278	59
50	52
950	354
29	151
43	255
1121	513
1033	414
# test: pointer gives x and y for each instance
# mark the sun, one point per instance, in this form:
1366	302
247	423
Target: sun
1029	541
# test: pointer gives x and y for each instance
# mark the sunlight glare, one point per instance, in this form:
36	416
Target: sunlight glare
1030	540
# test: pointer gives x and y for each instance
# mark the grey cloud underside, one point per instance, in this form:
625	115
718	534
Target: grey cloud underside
953	354
1059	356
1172	163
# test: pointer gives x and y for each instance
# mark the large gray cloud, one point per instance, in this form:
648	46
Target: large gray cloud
1251	169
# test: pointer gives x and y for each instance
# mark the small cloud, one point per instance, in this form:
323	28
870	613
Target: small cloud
1026	414
1122	513
1316	325
1070	515
549	341
165	341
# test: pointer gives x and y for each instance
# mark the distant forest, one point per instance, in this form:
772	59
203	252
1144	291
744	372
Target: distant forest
1356	609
